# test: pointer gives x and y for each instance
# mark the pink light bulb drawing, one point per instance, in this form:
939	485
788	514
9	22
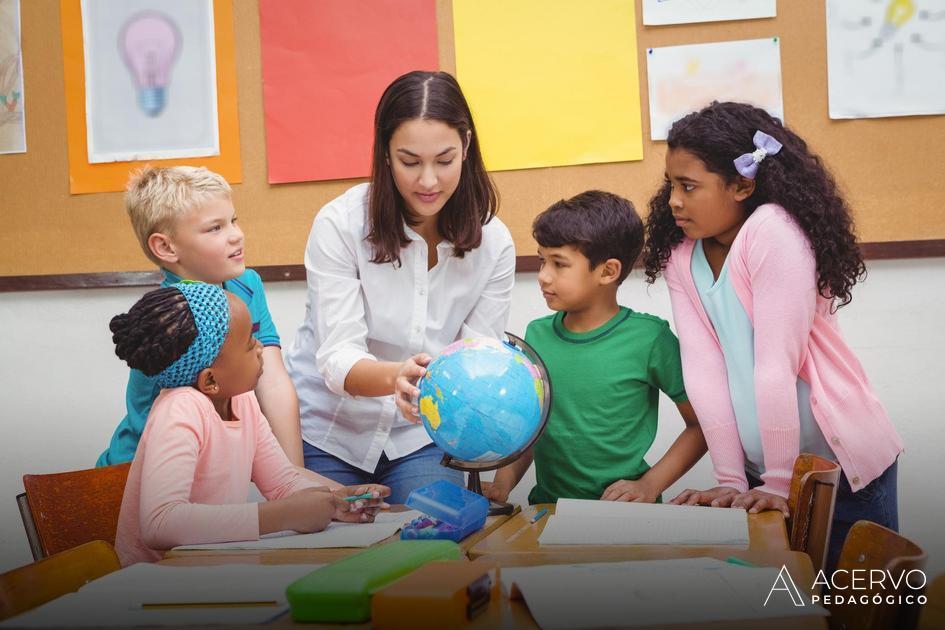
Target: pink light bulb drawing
149	42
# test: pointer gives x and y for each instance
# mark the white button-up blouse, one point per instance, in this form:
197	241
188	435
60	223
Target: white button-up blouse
357	310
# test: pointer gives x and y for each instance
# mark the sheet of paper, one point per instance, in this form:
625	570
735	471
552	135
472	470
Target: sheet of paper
325	65
581	522
150	76
885	58
550	82
335	535
118	598
658	12
684	79
12	121
658	592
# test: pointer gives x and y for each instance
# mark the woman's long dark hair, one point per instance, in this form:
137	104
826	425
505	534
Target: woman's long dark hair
794	178
429	96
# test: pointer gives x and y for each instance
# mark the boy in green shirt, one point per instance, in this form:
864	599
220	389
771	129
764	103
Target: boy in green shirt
607	365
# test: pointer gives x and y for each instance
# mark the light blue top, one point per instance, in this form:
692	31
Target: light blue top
737	338
142	389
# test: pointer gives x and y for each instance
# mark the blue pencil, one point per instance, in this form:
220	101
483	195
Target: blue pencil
358	497
538	515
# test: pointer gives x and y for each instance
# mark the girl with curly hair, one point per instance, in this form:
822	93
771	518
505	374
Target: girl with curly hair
758	250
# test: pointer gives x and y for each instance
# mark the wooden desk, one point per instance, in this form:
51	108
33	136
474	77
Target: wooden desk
767	536
204	557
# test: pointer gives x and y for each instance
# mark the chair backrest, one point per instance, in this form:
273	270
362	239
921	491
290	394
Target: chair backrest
35	584
76	507
869	546
933	614
811	501
32	537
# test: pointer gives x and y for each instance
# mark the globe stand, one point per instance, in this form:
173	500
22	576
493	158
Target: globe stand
474	484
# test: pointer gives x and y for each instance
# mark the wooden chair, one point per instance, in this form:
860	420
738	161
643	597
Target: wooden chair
933	614
76	507
870	546
28	587
811	501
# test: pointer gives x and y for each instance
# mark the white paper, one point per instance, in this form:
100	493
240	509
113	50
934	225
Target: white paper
12	120
581	522
684	79
117	599
885	58
182	62
649	593
658	12
336	534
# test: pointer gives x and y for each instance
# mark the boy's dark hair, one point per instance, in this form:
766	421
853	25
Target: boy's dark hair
155	332
794	178
428	96
601	225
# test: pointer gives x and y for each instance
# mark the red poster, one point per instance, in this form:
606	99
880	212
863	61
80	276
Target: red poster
325	65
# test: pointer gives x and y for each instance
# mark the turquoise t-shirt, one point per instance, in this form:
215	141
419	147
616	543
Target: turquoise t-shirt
142	390
606	385
737	338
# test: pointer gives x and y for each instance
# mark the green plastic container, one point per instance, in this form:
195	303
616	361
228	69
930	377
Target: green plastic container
341	592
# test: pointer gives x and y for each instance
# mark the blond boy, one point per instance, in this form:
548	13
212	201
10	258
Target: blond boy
185	222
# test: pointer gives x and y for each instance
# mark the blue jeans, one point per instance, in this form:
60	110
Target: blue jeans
877	502
401	475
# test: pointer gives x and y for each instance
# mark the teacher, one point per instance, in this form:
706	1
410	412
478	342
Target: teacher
397	269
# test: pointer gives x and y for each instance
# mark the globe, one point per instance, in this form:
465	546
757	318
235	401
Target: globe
482	401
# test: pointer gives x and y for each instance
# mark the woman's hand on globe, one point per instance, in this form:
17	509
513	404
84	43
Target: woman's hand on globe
405	385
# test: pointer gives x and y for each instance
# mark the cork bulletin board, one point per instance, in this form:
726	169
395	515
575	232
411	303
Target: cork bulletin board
889	168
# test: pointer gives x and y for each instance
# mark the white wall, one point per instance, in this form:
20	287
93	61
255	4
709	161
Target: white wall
61	387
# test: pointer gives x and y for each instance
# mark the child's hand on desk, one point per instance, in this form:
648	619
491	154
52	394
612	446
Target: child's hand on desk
494	491
361	510
626	490
757	500
720	496
306	511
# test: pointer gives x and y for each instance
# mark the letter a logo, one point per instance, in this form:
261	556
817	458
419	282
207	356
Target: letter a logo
786	584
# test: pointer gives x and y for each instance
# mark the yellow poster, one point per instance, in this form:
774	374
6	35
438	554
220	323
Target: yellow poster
550	82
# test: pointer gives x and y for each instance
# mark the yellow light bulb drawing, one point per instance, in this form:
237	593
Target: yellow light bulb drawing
898	12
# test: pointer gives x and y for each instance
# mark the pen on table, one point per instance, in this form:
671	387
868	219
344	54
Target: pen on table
160	605
358	497
740	562
540	513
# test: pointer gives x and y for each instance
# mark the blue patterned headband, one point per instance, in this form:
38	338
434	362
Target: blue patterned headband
211	313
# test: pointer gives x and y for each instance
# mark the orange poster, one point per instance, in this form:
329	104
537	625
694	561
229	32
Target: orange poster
85	177
325	65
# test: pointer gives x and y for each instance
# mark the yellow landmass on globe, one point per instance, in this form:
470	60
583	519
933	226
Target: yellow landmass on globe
430	411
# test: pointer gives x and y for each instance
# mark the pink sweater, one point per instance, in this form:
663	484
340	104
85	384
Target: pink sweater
189	482
773	272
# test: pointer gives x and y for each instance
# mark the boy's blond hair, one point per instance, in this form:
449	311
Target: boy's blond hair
156	197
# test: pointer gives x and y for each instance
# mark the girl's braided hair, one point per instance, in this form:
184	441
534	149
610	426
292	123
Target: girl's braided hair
155	332
795	178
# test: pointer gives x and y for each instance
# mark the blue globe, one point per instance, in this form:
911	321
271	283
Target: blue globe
481	399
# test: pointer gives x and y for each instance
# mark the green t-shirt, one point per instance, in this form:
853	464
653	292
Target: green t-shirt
605	385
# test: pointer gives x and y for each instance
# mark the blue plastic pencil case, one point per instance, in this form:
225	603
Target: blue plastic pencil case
452	512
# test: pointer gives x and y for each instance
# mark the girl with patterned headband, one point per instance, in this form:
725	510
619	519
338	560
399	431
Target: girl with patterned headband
206	438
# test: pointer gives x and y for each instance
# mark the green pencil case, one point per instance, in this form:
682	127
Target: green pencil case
341	592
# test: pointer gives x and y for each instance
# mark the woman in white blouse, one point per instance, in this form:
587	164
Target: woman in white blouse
398	269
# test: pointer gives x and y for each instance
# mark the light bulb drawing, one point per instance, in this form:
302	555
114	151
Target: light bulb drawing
149	43
904	24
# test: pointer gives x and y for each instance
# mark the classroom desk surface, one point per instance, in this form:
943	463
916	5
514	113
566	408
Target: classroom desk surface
204	557
767	534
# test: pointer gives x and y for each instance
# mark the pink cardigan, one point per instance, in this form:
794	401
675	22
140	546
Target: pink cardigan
189	481
773	272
